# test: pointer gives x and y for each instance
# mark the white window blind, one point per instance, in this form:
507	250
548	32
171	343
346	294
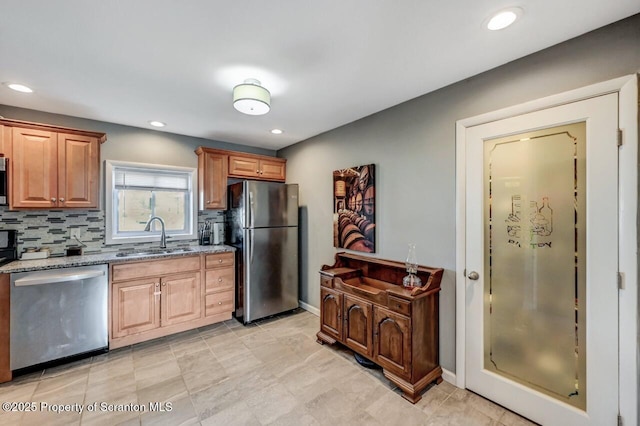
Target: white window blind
129	178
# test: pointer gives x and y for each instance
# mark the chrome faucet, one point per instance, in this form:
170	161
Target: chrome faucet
163	236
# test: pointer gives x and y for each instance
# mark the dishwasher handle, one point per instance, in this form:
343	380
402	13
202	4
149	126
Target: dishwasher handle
57	277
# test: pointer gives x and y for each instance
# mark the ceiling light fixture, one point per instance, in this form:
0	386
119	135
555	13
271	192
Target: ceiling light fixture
504	18
19	88
251	98
157	123
277	131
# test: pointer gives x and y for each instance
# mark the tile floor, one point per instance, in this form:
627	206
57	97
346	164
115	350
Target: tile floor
269	373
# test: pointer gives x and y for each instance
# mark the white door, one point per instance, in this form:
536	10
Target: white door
541	320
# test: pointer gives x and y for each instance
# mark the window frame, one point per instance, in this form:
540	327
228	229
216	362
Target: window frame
111	203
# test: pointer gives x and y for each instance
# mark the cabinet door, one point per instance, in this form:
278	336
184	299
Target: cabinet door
180	298
244	166
331	313
78	171
392	341
357	324
34	179
212	178
135	306
272	169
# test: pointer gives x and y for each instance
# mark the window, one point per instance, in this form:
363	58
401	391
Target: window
135	192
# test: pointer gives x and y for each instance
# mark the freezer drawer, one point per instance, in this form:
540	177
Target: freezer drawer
270	266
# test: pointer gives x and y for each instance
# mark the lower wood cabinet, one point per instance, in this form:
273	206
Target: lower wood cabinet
363	308
155	298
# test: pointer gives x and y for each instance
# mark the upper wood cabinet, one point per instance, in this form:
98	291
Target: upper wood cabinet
215	166
212	178
51	167
257	167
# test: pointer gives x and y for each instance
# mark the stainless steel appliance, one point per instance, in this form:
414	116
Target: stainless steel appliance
8	246
4	181
263	227
57	313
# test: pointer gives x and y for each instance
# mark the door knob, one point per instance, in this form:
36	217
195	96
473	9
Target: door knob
473	275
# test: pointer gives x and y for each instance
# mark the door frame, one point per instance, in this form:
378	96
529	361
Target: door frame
627	88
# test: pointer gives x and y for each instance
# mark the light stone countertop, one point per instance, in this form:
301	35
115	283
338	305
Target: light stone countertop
97	259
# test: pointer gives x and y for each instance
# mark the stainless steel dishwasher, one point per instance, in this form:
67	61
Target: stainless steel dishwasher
57	313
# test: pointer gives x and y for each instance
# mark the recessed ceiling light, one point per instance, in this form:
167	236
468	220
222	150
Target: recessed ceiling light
277	131
504	18
19	88
157	123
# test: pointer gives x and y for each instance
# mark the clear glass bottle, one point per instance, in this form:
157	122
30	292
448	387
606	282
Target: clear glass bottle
411	263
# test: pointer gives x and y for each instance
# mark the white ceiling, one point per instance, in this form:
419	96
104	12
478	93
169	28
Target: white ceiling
326	63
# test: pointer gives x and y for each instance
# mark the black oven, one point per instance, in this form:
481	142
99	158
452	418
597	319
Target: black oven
4	181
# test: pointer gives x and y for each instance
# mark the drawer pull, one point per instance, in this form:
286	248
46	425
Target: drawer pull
219	280
219	260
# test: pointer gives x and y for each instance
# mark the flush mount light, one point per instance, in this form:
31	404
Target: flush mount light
157	123
277	131
251	98
19	88
504	18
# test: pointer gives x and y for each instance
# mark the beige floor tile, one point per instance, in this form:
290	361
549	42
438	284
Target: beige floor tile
167	391
155	373
329	406
113	410
152	355
17	392
181	413
73	383
116	367
236	414
112	355
432	398
305	384
511	419
67	368
190	346
299	416
267	404
215	399
241	365
110	388
391	409
227	349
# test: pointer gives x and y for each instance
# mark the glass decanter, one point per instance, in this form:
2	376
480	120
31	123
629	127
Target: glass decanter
411	280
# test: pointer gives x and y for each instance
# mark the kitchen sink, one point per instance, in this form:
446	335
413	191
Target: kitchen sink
151	252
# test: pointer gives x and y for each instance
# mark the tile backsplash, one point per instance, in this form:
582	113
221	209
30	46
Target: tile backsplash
50	228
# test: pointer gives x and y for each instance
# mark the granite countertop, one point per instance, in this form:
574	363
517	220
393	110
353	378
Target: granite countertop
97	259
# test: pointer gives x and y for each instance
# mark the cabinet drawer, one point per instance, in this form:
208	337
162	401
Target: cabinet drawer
152	268
218	279
219	260
400	305
218	303
326	281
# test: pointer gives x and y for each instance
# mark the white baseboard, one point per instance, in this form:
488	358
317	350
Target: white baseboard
309	308
448	376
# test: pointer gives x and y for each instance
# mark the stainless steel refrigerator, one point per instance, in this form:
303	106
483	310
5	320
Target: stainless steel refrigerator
263	226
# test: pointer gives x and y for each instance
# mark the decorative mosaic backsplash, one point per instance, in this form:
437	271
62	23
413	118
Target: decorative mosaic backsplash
50	228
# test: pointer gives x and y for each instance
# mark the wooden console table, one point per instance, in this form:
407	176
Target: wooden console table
364	306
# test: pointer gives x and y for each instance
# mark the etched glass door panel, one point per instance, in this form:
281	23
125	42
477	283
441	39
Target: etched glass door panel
534	274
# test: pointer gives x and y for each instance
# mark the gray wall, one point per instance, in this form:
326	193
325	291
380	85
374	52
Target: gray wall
413	148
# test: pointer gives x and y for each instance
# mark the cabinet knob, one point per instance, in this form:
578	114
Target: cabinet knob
157	284
208	202
257	171
62	200
164	284
219	280
53	200
219	303
219	260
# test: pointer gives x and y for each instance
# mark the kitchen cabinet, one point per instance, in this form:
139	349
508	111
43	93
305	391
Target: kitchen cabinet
219	284
365	307
170	296
155	298
50	166
257	167
212	178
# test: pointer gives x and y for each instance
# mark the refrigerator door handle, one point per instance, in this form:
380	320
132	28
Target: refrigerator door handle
250	211
251	239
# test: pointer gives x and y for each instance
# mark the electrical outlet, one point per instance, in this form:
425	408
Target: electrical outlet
74	234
